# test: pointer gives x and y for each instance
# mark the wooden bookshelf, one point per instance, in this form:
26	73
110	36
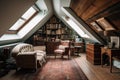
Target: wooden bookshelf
54	29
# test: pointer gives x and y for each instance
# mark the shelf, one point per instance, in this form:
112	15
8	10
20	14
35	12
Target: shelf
53	28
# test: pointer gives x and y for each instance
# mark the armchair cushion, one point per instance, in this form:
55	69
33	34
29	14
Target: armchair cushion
62	47
27	53
41	53
59	51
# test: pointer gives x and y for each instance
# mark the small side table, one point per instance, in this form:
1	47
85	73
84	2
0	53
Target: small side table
77	49
111	53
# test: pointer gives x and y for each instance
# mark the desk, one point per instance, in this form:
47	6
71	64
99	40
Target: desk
78	49
111	53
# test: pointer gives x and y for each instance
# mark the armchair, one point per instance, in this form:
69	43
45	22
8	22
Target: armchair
26	57
27	60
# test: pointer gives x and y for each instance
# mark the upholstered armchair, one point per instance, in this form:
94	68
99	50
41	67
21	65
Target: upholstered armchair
27	57
27	60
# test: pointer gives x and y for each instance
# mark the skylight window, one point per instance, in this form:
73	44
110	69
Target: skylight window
77	28
24	18
17	25
29	13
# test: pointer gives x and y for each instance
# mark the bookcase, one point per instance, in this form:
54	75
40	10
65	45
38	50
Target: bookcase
53	30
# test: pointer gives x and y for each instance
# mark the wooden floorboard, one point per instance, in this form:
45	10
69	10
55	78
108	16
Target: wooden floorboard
93	72
96	72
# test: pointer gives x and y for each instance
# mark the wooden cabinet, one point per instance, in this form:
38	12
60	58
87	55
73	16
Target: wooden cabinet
93	53
112	54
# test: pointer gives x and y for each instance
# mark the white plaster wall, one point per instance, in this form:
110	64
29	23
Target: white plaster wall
32	26
10	11
43	20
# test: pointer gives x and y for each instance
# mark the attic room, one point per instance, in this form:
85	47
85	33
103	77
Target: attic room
60	39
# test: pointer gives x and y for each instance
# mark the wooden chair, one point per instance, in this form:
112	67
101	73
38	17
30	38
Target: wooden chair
63	50
114	58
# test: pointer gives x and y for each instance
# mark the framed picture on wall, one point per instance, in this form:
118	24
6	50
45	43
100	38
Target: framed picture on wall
96	26
115	40
105	24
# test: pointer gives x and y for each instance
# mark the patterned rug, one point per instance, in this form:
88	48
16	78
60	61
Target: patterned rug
59	69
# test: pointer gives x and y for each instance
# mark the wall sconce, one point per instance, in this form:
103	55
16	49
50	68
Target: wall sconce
67	18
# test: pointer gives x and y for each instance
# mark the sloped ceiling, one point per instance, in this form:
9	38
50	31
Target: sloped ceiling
92	11
74	9
62	9
10	11
13	38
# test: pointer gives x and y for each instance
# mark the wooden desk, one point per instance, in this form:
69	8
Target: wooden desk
111	53
79	47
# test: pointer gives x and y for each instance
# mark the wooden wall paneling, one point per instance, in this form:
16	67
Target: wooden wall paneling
74	4
115	20
88	8
83	7
95	8
88	12
112	10
91	10
76	10
112	14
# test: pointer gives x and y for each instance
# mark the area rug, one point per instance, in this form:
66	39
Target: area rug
60	69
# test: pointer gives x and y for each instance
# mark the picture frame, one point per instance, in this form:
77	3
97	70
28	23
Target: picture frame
116	41
105	24
96	26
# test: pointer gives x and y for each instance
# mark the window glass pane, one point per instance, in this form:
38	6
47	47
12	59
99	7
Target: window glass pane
29	13
77	28
17	25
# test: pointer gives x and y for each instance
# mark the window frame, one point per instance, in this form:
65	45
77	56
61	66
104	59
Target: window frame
26	21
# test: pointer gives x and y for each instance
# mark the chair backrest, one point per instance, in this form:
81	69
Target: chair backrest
22	47
71	47
65	42
51	46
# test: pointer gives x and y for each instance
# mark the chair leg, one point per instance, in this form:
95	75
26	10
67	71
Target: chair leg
55	55
62	56
44	60
68	57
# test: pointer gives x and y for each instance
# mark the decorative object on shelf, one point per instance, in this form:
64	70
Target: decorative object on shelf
96	26
105	24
